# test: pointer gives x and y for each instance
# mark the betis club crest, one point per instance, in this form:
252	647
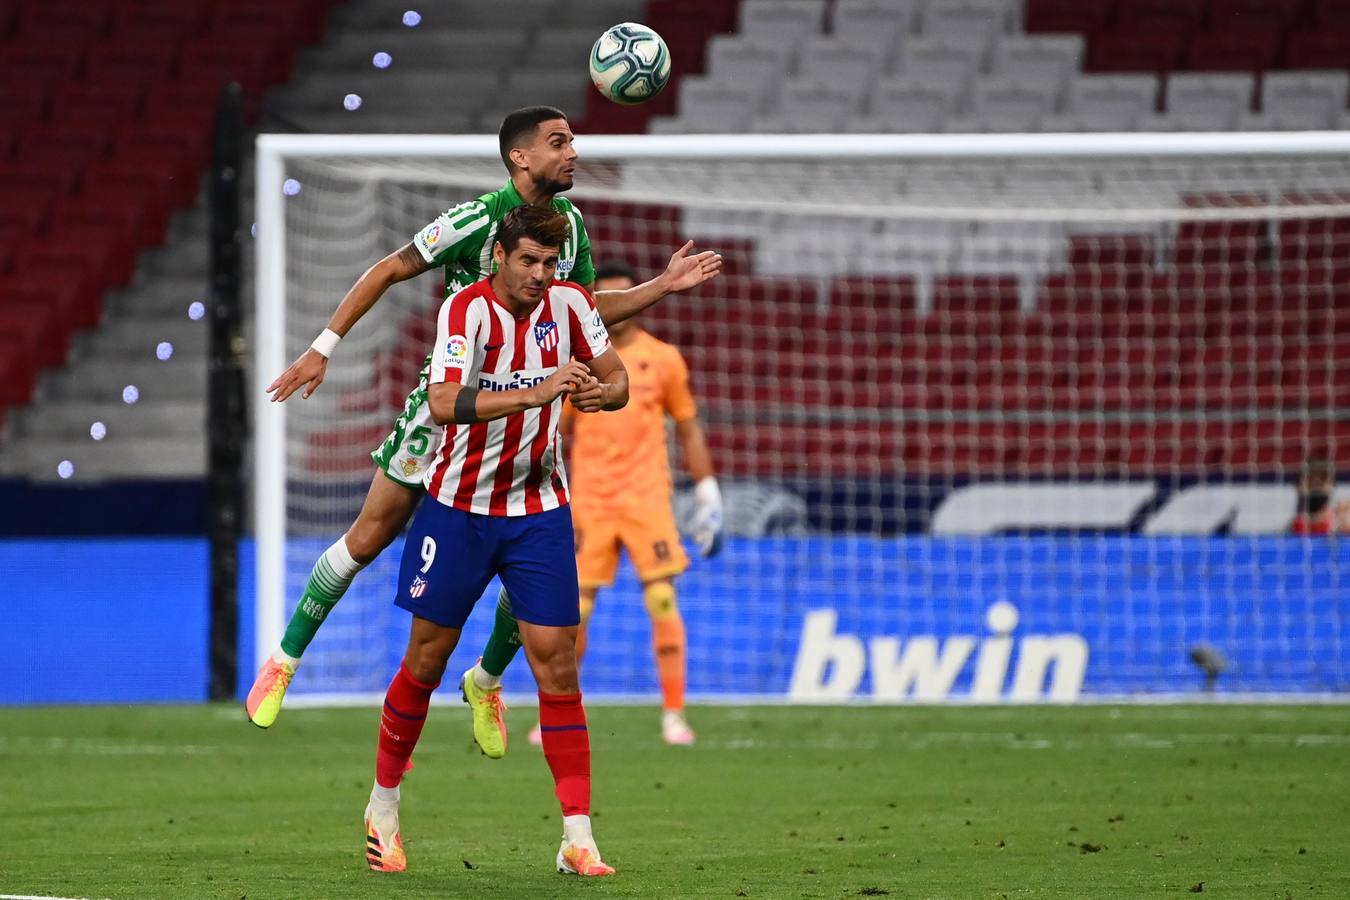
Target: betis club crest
546	335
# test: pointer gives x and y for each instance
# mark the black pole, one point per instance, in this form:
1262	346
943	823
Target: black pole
226	426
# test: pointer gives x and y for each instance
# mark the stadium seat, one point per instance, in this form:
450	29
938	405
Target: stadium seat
1317	48
1253	47
39	323
877	24
18	369
1081	16
1157	50
839	63
1010	103
1319	95
942	57
805	106
756	66
1047	60
1217	98
1122	98
788	22
968	21
708	106
915	105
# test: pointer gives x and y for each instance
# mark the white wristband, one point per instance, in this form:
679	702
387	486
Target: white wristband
708	493
326	343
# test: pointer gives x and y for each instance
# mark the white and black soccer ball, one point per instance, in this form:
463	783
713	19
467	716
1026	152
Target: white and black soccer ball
630	63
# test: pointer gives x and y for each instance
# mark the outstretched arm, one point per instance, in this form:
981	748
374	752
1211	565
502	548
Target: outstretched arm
686	270
311	366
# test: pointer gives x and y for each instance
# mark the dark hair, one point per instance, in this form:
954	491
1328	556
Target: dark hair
543	226
615	270
520	124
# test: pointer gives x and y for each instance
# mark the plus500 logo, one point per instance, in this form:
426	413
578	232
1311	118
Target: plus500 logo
527	378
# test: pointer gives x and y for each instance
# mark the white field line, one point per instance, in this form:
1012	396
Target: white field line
37	897
915	740
373	700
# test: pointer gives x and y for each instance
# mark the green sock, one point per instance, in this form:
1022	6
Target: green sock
504	642
329	580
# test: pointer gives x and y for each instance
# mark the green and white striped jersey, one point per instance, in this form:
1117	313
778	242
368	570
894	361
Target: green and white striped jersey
461	238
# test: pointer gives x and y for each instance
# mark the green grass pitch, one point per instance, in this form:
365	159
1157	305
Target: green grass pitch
918	802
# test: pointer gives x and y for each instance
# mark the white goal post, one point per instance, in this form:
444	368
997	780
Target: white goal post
911	215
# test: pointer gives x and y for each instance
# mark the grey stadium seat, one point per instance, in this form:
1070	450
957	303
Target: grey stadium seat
786	21
1316	95
1202	96
1011	100
757	66
712	106
1048	60
877	23
562	47
905	101
806	106
967	22
1122	97
939	58
840	63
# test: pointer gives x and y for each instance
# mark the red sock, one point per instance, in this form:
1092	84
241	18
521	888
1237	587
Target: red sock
401	721
567	747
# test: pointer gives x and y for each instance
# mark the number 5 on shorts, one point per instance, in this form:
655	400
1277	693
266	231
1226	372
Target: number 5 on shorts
428	553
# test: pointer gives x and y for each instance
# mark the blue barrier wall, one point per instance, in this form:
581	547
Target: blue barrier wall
126	620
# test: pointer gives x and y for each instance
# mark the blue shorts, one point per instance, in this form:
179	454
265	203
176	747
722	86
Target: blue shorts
451	555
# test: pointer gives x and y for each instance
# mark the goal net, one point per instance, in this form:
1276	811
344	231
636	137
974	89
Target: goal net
996	418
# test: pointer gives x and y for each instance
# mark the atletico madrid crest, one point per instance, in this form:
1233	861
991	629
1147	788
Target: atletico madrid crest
418	588
546	335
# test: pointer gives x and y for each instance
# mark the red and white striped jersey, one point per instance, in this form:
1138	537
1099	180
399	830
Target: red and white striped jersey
511	466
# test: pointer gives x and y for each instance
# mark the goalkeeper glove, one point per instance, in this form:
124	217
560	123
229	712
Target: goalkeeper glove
708	517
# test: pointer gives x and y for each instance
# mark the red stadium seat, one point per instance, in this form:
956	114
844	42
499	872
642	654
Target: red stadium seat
1084	16
1160	15
18	369
1317	48
1159	50
27	207
1252	47
40	324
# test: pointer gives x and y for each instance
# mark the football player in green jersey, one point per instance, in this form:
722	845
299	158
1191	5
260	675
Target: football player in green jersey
536	146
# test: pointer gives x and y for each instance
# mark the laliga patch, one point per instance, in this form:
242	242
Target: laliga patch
456	350
431	234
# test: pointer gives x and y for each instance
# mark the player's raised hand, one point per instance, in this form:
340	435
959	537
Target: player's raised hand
566	380
589	397
308	370
688	269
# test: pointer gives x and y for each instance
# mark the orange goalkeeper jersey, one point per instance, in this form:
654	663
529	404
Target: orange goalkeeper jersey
620	457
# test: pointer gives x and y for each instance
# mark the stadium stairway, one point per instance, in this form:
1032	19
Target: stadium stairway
461	65
105	117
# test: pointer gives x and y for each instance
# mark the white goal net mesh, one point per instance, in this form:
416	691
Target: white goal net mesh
998	427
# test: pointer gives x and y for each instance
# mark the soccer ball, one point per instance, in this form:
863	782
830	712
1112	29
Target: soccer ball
630	63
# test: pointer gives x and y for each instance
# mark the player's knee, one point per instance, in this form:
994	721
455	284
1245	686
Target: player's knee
367	539
587	604
426	662
659	598
556	669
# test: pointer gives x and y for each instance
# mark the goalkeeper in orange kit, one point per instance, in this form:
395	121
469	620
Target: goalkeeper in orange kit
620	484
